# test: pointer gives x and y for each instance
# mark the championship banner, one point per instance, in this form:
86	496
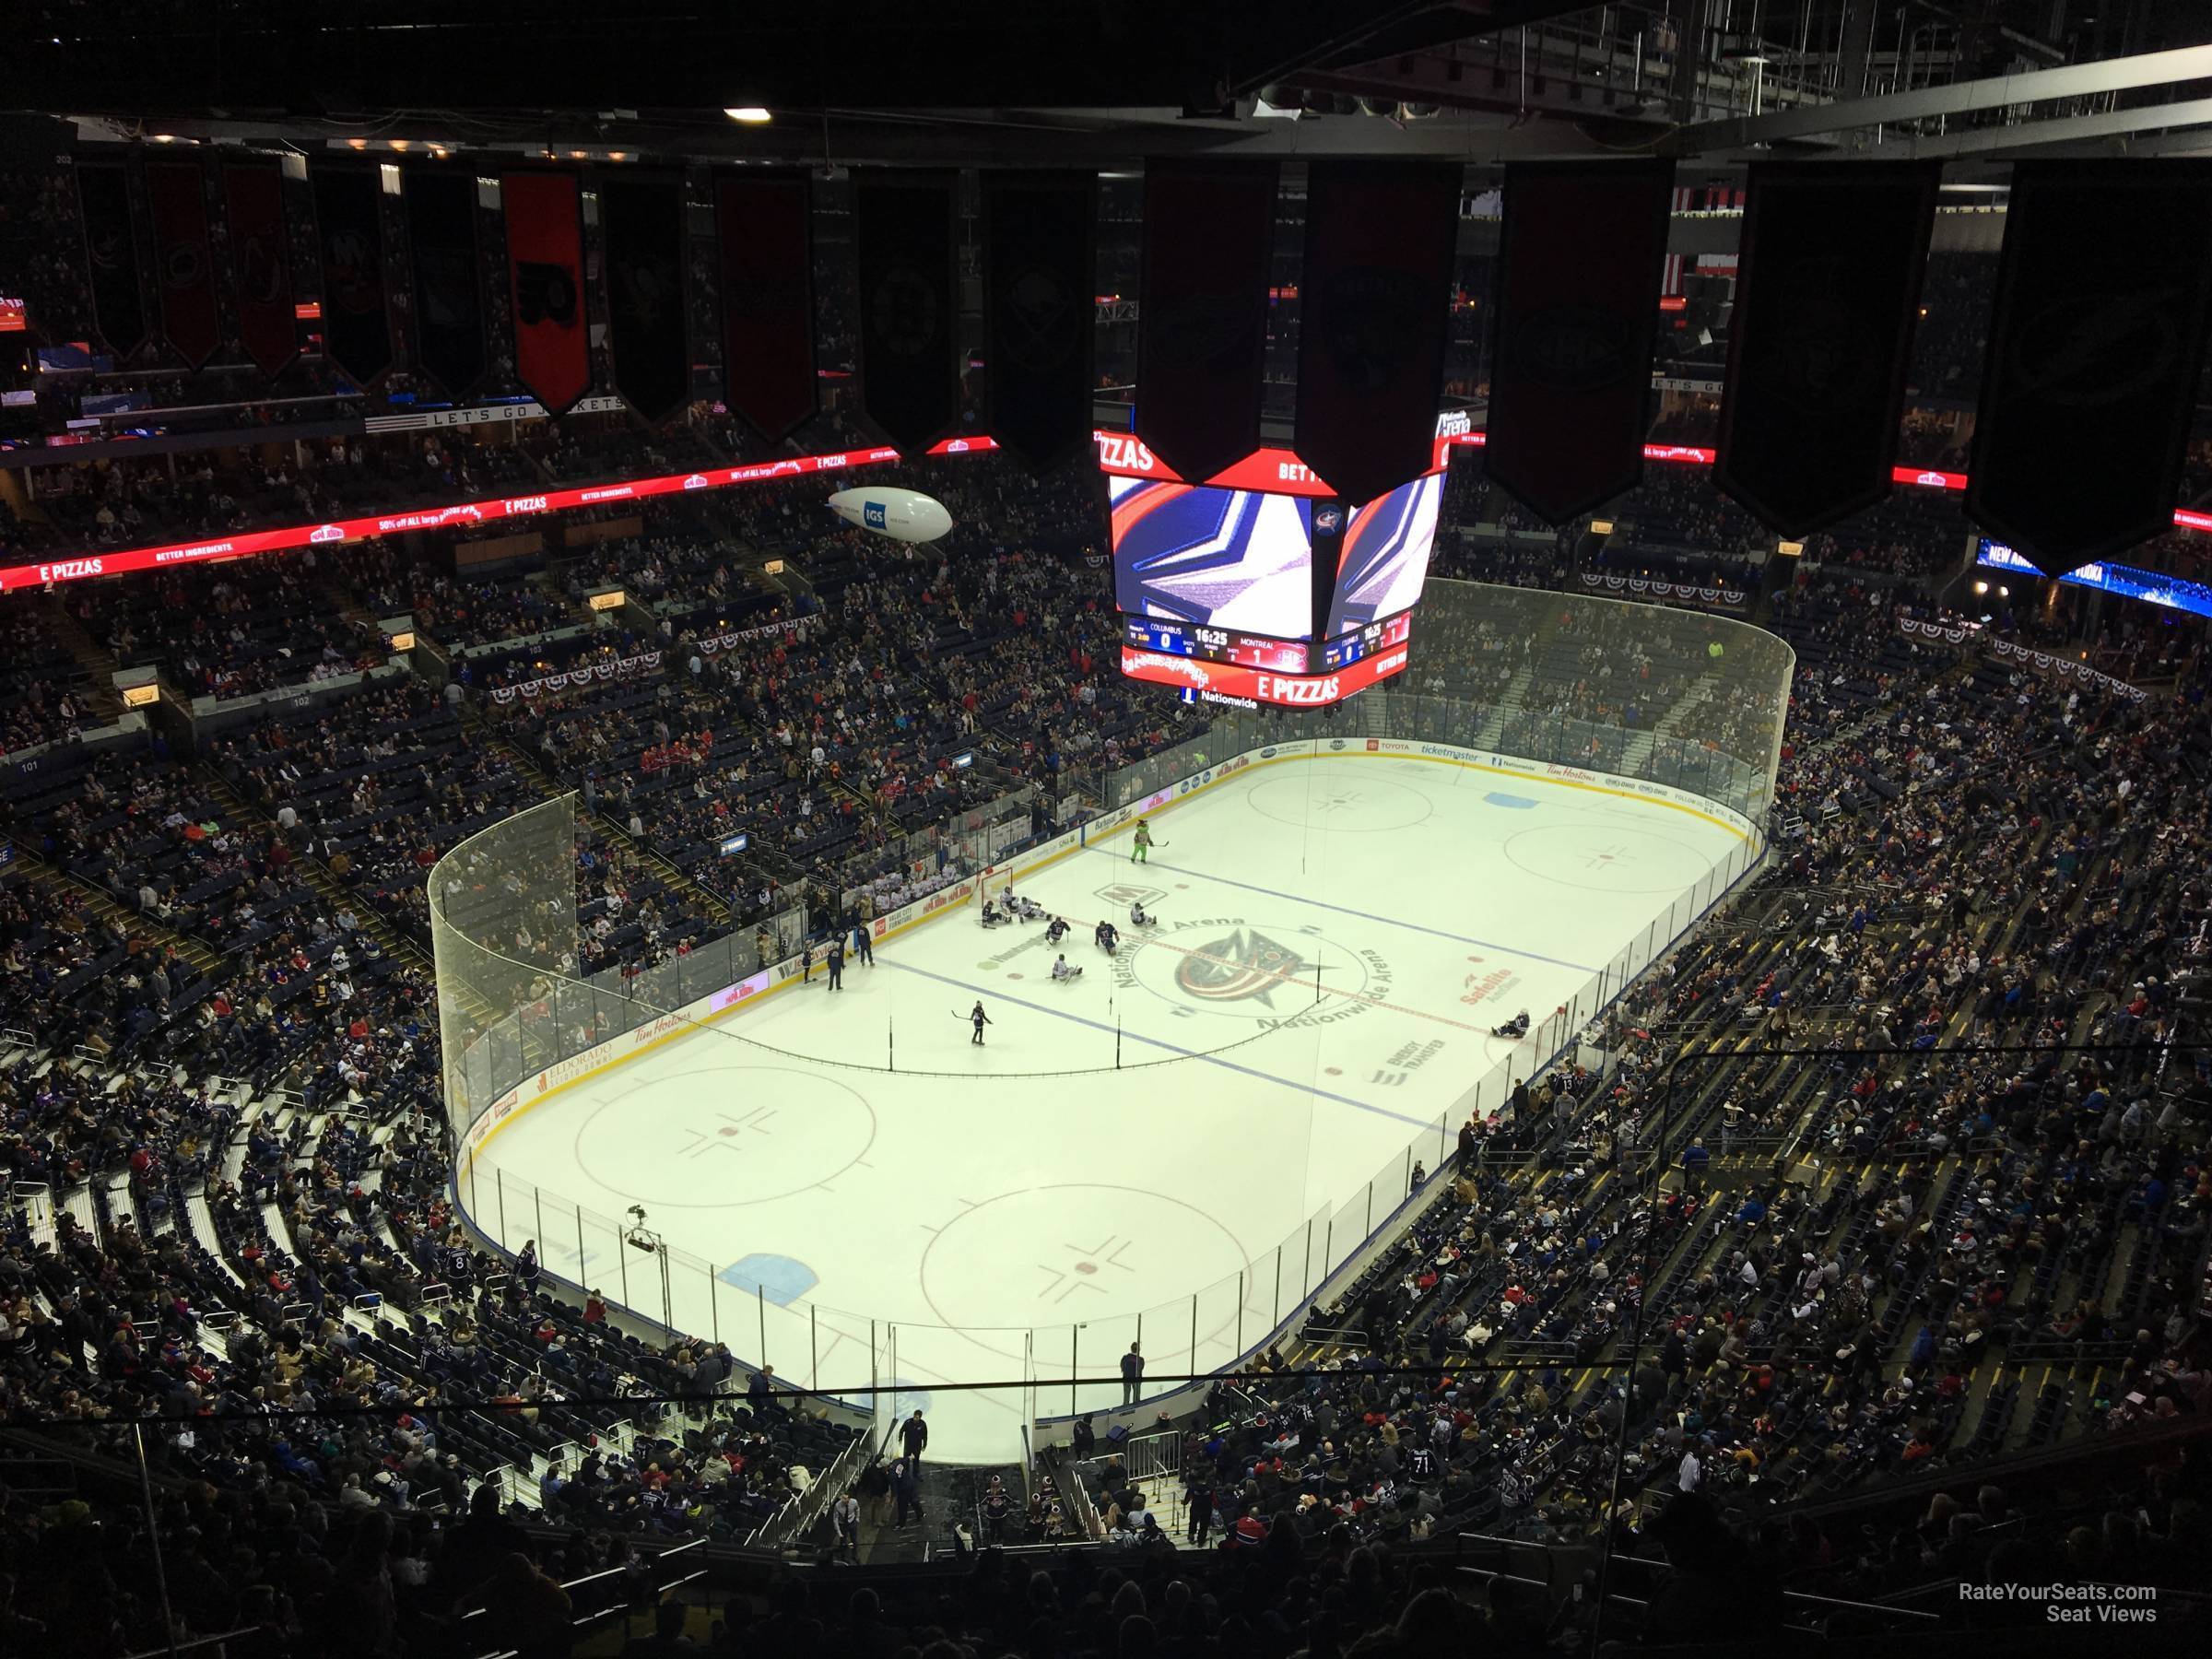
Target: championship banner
177	192
1827	293
764	229
449	298
356	335
544	273
103	196
910	371
1579	263
1202	312
261	262
2095	347
1038	282
1374	319
642	219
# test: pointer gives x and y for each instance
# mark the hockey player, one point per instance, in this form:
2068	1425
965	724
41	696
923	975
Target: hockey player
863	947
1028	909
1137	917
835	962
1058	931
1061	971
994	915
1105	937
978	1019
1140	853
1516	1028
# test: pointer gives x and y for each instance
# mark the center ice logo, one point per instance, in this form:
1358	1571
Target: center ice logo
1241	964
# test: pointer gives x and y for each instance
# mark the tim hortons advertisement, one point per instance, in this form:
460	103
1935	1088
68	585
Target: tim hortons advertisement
1260	686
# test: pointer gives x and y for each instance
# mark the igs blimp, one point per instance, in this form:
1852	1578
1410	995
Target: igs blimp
903	514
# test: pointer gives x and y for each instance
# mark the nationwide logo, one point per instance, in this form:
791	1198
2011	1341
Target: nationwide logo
1242	965
325	533
696	481
524	504
1119	452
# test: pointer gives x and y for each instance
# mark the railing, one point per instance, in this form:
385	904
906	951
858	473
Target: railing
1153	1456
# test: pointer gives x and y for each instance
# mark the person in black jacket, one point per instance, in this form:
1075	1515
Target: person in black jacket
913	1434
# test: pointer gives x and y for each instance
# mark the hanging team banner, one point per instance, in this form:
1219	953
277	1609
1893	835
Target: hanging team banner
641	216
1820	339
2094	345
1579	268
764	231
1037	264
544	273
103	196
910	369
449	298
1202	312
260	263
177	192
357	334
1374	319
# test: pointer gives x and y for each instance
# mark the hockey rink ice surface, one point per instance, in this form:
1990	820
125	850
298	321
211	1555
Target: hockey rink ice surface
1336	939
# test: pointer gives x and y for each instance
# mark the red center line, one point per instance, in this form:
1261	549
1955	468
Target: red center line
1287	979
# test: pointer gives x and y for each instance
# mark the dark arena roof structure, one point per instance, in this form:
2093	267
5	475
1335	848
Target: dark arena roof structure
1644	568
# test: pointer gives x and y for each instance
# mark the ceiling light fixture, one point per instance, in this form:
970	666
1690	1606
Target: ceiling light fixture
749	114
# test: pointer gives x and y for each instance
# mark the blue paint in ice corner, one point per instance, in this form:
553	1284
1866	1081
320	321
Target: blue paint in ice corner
778	1278
908	1397
1518	803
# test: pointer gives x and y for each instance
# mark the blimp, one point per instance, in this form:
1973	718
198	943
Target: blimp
905	515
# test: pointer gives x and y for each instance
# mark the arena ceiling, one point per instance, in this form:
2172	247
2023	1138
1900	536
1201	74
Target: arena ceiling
1107	82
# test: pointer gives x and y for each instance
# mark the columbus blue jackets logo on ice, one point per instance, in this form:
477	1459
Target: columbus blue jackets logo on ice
872	514
1245	963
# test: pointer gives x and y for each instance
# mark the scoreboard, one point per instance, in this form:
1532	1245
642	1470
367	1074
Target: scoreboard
1278	596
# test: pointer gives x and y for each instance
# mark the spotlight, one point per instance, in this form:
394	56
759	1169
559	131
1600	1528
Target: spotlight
749	114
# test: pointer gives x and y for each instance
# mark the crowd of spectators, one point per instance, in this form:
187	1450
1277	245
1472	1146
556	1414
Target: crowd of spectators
1986	898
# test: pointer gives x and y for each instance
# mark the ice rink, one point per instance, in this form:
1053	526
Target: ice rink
1223	1106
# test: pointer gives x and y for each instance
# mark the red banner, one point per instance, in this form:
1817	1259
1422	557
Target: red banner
1233	682
177	192
261	254
545	271
764	227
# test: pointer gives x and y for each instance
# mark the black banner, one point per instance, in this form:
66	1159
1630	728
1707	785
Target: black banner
1038	283
643	219
103	195
1579	268
448	294
764	233
910	371
1820	340
1202	312
2095	347
1374	319
357	335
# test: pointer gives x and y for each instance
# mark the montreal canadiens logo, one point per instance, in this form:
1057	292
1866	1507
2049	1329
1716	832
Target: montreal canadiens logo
1241	964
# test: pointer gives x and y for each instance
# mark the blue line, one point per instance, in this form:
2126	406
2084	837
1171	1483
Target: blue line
1173	1048
1364	916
